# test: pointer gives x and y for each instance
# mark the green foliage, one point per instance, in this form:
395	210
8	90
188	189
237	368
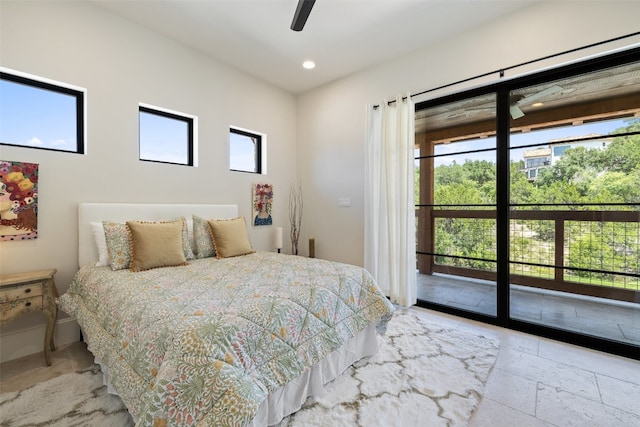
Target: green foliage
458	194
623	154
474	182
616	187
447	175
587	252
577	167
480	171
580	176
522	191
472	238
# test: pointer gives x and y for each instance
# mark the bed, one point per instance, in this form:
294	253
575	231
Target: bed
240	340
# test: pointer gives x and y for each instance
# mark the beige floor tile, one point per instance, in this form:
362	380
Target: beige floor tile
619	394
610	365
568	410
513	391
556	374
494	414
518	341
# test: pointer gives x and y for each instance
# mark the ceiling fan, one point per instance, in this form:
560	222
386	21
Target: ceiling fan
515	110
302	13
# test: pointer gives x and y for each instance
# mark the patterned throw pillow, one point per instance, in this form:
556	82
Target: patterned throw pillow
118	243
186	244
202	238
118	247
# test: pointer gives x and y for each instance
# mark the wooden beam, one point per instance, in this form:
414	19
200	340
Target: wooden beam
613	108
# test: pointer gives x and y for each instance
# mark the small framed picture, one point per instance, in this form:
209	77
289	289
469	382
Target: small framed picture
262	204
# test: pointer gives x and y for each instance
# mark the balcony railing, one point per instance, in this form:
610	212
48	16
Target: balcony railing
587	252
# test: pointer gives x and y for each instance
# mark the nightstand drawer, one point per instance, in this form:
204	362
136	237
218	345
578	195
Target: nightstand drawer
9	310
20	292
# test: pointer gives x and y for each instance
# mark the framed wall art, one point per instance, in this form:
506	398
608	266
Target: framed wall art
262	204
18	200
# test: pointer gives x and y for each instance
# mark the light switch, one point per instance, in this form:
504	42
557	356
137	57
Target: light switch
344	202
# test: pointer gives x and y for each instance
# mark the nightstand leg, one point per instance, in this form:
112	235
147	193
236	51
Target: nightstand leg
49	346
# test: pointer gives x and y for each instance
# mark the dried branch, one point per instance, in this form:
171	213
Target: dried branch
295	215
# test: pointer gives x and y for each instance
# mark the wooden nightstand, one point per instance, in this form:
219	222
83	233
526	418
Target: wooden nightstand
22	293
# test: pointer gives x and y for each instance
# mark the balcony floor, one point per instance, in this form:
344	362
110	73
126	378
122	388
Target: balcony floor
614	320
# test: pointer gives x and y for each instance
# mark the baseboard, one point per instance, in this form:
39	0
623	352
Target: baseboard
25	342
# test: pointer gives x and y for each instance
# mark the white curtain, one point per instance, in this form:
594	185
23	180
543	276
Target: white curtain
390	232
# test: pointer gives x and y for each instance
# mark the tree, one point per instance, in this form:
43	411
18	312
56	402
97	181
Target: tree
577	167
463	193
615	187
522	191
445	174
623	154
479	171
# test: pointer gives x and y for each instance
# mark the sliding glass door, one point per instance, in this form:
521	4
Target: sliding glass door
528	203
574	200
456	205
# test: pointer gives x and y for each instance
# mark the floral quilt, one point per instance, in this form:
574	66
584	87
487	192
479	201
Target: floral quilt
204	344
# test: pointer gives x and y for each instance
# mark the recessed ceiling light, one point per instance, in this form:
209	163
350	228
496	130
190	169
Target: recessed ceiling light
309	65
537	104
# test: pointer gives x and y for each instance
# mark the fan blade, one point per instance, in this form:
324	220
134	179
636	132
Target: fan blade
515	112
302	13
533	97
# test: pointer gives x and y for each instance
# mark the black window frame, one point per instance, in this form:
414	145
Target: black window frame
502	89
258	149
79	96
189	120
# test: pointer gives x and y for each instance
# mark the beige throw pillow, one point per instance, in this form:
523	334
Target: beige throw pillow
230	237
156	244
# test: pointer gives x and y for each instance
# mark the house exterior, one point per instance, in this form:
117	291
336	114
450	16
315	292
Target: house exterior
540	158
534	160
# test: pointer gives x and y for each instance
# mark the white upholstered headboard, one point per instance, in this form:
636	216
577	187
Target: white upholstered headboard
121	212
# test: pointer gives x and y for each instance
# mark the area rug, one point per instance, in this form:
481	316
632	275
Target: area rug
424	375
70	400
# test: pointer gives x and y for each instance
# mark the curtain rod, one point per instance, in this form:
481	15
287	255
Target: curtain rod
501	71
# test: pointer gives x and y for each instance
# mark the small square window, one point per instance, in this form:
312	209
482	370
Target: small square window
40	114
166	137
245	151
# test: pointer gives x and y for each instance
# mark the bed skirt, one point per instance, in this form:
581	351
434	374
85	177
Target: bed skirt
289	398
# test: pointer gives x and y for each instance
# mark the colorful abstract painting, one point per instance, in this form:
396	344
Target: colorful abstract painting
262	203
18	200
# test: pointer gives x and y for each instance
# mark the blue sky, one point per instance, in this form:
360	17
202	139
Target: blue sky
163	138
37	117
241	149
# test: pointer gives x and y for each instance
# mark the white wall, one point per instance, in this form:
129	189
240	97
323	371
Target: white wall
331	120
121	64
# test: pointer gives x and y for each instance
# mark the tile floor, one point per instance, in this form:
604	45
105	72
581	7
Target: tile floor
614	320
535	381
541	382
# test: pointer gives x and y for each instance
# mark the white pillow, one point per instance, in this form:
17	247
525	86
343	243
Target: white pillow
101	244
